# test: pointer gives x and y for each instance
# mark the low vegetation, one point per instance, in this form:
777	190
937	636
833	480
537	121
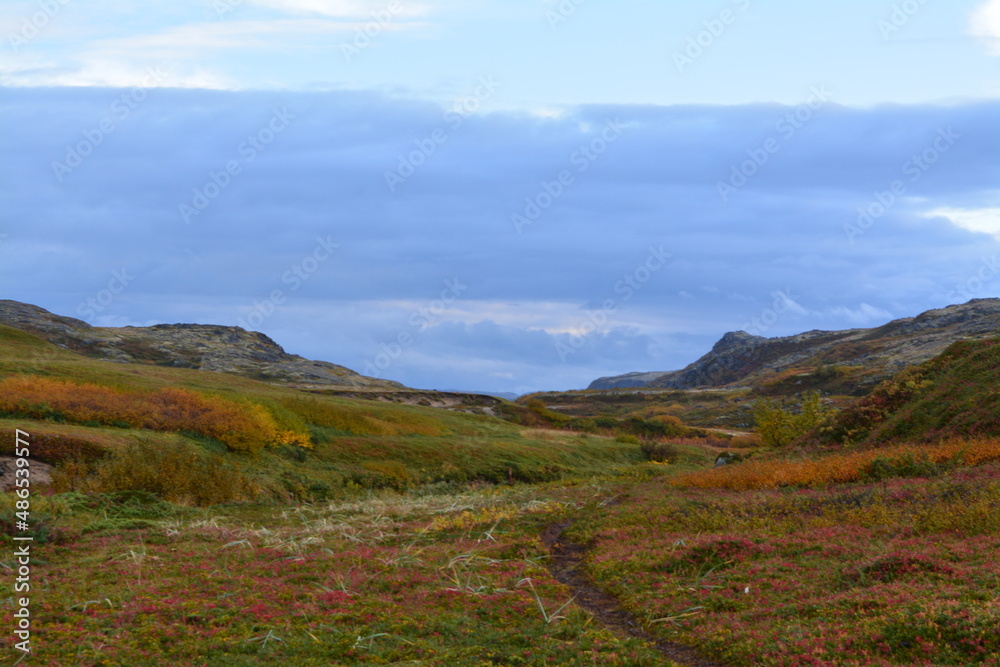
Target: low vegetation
901	571
952	395
205	519
240	425
857	466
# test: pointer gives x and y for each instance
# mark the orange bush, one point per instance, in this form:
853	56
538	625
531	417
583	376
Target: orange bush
57	447
843	468
240	426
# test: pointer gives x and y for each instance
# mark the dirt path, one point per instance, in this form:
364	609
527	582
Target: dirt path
566	566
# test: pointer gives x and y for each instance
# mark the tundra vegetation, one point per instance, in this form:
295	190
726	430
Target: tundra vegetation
209	519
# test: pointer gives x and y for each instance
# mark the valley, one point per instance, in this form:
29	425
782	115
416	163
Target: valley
198	498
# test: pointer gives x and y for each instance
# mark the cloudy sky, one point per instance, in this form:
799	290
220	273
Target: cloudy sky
499	195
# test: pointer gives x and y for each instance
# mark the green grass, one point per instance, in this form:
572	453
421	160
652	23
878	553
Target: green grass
957	394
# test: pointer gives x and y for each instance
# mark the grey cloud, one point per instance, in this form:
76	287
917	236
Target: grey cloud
324	176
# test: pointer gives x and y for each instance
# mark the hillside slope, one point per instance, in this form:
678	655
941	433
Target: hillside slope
956	394
740	359
196	346
323	443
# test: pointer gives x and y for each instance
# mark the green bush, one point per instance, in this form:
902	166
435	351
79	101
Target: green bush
779	427
174	472
660	452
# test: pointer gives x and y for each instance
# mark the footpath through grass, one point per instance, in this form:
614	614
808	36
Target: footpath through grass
456	579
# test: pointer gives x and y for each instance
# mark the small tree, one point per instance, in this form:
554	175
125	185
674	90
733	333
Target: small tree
774	424
779	427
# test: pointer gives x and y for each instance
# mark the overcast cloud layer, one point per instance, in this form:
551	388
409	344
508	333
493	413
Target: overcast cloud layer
498	251
504	195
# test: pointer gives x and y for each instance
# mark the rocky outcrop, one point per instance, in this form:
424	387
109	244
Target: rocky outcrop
200	346
742	359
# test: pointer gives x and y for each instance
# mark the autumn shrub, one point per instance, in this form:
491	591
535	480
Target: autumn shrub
54	448
951	395
392	474
171	471
900	461
778	426
747	441
870	412
241	426
660	452
907	464
583	425
538	407
657	427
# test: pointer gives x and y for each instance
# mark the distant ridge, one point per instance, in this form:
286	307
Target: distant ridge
740	359
201	346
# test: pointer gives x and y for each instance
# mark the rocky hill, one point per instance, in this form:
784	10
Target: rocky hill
200	346
740	359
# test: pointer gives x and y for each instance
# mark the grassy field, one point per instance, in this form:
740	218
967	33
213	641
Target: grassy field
901	571
451	579
898	571
405	535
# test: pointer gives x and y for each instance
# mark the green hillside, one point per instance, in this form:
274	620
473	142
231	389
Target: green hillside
334	444
957	394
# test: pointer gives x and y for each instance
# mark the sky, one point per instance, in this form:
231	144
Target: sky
499	196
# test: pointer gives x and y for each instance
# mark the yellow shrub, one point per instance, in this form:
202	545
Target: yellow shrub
242	426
